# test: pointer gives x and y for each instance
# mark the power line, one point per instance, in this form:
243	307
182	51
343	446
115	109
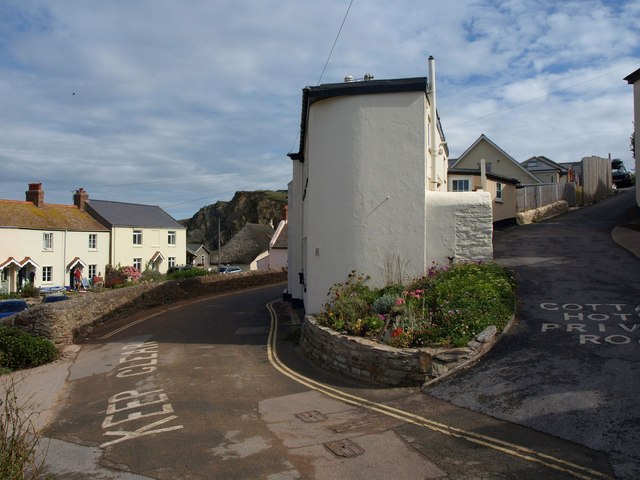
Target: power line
334	43
326	63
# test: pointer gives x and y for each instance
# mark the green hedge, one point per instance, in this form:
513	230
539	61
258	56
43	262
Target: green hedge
19	349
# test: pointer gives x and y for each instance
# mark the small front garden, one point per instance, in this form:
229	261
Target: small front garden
445	308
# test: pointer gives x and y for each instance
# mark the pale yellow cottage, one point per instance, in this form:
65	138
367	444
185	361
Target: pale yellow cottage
43	243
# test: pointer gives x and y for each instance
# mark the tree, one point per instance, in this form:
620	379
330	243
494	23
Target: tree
633	143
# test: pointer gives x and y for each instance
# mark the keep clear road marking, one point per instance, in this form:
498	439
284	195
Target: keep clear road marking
577	471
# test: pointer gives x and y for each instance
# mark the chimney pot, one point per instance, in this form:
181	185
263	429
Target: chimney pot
80	198
35	194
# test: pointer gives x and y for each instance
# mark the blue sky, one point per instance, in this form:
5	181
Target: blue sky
180	104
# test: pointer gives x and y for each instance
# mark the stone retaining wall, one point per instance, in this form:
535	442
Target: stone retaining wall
61	322
539	214
364	359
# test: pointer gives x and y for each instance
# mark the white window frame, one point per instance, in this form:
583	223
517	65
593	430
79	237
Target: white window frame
499	192
171	237
47	241
137	237
93	241
171	262
92	271
137	263
456	181
47	274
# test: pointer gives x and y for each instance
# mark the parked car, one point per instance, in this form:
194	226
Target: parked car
11	307
54	297
230	269
621	178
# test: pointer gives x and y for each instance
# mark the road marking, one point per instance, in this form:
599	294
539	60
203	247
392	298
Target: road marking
175	307
577	471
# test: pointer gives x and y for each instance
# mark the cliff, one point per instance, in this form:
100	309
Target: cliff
263	207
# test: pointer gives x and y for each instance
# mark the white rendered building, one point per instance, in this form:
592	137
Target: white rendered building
369	189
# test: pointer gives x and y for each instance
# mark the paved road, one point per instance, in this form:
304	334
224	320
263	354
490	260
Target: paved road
204	390
570	366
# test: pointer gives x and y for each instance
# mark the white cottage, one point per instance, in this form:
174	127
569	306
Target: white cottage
142	236
369	189
43	243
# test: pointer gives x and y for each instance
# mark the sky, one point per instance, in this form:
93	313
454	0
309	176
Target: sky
182	103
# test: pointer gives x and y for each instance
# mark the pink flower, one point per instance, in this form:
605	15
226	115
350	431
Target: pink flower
399	301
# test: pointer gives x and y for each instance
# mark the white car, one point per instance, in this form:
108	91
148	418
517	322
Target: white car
230	269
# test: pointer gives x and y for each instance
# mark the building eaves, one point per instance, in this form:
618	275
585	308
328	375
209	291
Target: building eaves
311	95
476	172
633	77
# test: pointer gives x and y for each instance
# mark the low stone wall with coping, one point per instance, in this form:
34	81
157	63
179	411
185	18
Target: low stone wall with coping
364	359
61	322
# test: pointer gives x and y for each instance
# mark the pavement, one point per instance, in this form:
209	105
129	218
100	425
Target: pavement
40	390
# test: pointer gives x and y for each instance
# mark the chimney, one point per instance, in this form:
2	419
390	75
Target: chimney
80	198
285	213
35	194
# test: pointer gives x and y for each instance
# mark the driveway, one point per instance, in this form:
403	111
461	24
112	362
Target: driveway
568	367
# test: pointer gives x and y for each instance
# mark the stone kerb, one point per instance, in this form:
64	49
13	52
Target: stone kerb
61	322
367	360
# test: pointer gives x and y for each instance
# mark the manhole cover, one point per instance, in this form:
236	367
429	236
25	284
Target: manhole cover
345	448
349	426
312	416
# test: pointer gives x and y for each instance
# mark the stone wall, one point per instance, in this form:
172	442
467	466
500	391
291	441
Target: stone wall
364	359
542	213
61	322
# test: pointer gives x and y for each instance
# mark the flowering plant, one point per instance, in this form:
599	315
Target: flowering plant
446	307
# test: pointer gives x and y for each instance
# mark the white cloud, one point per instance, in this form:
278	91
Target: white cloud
183	104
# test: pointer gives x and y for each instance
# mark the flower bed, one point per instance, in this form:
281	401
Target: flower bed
405	334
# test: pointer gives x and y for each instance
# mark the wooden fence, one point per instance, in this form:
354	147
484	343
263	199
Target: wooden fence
594	174
535	196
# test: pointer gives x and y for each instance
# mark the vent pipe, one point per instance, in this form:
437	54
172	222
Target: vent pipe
433	121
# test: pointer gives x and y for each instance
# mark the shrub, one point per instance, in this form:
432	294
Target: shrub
446	307
30	290
188	273
19	349
18	438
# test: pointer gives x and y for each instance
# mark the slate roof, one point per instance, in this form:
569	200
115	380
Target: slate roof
194	247
121	214
543	164
22	214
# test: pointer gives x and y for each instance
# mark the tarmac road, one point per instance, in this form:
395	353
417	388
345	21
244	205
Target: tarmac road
204	389
570	366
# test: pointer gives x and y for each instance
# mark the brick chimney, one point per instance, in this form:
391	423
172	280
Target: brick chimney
285	213
35	194
80	198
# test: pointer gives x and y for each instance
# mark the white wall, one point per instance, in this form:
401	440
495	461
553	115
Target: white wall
153	240
459	227
365	199
21	243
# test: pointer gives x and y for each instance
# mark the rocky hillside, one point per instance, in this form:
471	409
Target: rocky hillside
260	207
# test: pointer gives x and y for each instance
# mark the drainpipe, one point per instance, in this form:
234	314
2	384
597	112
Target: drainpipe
483	174
433	124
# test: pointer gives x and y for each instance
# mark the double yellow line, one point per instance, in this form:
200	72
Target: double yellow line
569	468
